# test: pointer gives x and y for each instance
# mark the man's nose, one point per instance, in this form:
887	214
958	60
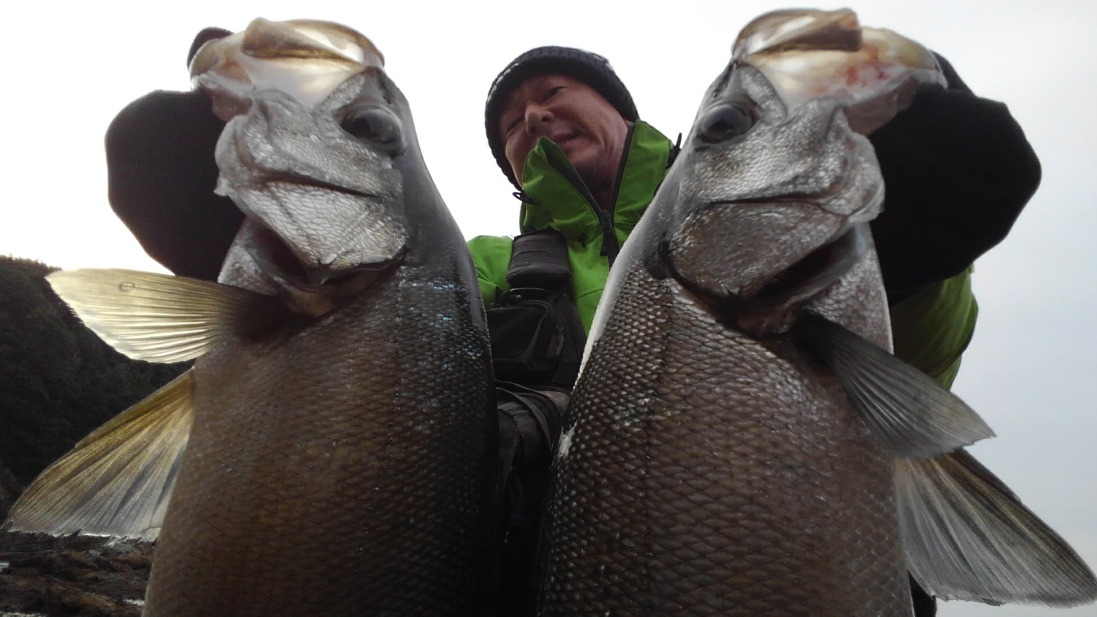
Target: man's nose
536	117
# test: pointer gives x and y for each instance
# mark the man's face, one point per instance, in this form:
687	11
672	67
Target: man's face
589	130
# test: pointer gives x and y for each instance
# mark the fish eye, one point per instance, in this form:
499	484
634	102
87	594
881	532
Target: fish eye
374	125
725	121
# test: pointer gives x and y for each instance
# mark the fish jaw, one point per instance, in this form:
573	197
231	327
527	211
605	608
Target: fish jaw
313	129
259	261
768	218
321	203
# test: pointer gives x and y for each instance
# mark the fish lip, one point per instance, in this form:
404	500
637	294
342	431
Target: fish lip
788	198
284	177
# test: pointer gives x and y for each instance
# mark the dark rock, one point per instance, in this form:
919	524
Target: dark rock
58	382
74	575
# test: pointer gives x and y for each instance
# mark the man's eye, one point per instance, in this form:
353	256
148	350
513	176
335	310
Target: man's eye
510	127
552	92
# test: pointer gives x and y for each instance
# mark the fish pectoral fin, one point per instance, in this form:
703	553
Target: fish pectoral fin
914	416
968	537
116	481
155	317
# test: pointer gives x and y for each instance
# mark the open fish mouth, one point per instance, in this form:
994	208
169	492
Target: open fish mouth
812	274
275	257
769	306
312	270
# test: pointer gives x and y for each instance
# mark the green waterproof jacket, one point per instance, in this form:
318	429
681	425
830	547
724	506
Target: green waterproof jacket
931	327
555	198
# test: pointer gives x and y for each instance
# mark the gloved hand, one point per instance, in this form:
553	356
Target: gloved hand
161	175
957	171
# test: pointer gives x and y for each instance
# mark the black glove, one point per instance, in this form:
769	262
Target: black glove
925	605
957	171
161	175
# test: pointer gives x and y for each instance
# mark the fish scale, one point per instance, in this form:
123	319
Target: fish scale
716	482
351	444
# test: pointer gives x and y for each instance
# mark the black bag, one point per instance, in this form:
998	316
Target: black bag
536	336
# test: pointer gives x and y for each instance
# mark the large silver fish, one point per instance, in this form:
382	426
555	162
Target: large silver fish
740	442
332	450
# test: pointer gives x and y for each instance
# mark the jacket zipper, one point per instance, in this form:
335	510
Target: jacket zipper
610	247
609	235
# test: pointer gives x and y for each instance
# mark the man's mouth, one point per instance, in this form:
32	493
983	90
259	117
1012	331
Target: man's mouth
562	140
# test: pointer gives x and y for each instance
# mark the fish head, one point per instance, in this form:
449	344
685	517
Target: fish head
312	154
767	206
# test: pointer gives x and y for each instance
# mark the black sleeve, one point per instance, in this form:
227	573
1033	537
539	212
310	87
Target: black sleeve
957	170
529	429
161	175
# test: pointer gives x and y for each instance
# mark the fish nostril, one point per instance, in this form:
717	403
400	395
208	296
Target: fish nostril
725	121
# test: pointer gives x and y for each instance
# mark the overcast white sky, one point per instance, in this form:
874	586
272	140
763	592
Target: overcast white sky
1030	368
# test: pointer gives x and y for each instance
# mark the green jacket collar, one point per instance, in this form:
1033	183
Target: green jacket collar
556	198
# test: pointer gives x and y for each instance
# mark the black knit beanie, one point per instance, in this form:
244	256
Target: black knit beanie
203	37
587	67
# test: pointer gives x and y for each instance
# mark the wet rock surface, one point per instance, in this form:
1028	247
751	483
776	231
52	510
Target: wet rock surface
79	576
74	576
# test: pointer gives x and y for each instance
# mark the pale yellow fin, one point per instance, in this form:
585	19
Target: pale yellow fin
154	317
117	481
